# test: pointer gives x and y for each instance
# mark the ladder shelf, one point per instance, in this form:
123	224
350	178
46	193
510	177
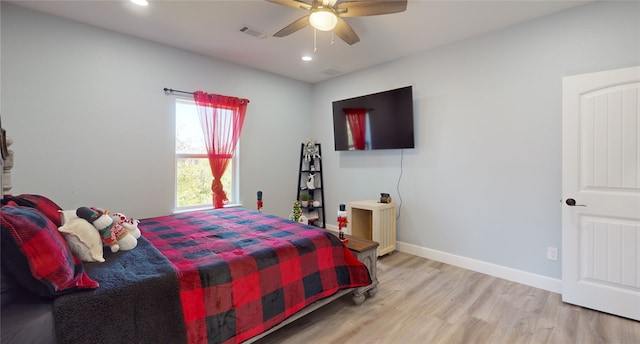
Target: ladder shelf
310	183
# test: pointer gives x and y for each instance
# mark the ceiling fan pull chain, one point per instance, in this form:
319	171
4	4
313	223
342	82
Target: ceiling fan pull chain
315	47
332	40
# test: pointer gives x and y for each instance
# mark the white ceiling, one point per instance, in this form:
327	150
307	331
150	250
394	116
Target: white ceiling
212	27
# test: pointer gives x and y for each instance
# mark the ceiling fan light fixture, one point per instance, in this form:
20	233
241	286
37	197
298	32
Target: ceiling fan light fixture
140	2
323	19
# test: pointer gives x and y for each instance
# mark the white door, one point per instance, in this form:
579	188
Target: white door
601	191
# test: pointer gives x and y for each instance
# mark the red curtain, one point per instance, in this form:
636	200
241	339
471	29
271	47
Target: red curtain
221	118
357	119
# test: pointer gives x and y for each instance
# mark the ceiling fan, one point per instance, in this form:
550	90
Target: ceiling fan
326	15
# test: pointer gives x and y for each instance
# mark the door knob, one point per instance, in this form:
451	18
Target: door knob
572	202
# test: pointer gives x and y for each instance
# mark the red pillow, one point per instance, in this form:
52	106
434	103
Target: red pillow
37	255
46	206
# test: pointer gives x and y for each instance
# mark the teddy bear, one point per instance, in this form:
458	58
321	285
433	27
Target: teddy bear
130	224
113	234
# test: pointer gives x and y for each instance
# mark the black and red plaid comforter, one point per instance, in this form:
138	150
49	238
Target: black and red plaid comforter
242	272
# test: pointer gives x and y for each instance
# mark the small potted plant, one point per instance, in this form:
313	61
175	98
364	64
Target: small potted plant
304	200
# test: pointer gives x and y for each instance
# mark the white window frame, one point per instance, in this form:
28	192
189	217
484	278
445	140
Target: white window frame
233	194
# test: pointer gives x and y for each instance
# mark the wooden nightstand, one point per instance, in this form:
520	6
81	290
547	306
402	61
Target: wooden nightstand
366	252
375	221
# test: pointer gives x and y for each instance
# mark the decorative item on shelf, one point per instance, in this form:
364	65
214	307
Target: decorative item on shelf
304	199
5	142
311	181
311	216
259	201
7	161
316	203
342	222
385	198
296	214
311	150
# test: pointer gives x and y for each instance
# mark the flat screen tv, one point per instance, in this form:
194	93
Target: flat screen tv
382	120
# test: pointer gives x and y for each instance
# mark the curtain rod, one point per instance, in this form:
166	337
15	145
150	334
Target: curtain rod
171	90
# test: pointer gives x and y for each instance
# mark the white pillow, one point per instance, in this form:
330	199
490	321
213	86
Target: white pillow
83	240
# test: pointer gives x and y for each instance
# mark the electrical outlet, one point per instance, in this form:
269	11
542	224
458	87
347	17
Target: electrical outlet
552	253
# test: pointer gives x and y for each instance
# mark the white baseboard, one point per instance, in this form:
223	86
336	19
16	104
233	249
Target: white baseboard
510	274
333	228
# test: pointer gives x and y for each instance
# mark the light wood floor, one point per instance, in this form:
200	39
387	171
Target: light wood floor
423	301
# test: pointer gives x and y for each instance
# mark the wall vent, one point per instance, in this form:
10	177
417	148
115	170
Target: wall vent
331	70
253	31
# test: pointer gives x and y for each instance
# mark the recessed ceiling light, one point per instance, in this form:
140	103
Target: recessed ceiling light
140	2
307	58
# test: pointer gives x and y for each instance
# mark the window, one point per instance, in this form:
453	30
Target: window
193	173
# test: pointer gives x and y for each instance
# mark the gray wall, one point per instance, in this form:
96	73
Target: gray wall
93	127
484	181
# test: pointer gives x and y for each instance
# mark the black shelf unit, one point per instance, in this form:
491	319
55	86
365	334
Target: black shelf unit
315	214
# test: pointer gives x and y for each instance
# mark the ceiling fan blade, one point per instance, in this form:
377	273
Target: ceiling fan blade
345	32
370	8
293	27
298	4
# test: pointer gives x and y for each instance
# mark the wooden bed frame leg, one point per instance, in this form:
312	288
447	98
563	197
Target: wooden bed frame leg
358	297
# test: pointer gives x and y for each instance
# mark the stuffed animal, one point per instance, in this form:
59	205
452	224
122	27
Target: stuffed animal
112	233
130	224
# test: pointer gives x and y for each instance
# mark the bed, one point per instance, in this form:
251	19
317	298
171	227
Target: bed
213	276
